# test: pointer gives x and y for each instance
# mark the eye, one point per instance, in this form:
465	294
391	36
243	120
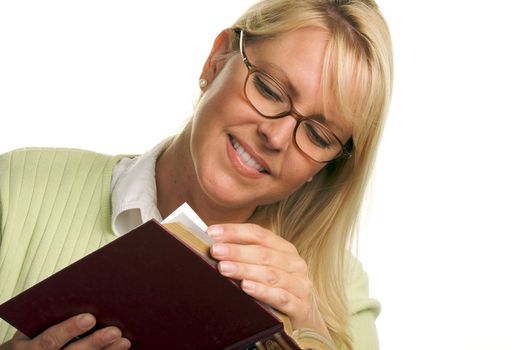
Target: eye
318	136
266	88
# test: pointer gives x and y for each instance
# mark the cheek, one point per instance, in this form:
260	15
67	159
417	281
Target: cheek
209	121
223	96
298	170
302	166
218	107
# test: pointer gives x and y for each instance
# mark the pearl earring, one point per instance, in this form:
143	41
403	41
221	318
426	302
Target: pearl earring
202	83
310	179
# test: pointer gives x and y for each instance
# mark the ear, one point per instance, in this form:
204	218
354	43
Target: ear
217	56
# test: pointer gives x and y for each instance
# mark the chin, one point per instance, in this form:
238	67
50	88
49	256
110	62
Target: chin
225	192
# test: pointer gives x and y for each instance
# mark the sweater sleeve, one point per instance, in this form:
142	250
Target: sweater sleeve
4	168
363	310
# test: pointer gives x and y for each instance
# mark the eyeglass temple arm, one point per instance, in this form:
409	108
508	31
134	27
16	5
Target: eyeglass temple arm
348	149
242	49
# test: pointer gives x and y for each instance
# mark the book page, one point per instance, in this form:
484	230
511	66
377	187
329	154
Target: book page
187	217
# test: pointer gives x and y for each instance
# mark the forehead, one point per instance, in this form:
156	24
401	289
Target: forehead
297	59
297	56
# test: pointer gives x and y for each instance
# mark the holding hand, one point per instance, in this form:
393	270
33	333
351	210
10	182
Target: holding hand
55	337
270	269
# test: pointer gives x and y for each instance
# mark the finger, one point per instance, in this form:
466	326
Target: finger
277	298
20	336
121	344
100	339
250	234
60	334
259	255
300	287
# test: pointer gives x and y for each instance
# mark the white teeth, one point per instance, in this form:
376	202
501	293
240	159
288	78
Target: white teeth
247	159
252	163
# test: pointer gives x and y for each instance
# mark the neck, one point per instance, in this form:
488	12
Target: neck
177	183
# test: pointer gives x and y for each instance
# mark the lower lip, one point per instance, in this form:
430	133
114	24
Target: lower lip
239	164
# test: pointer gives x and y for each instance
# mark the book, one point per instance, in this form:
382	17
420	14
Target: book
161	287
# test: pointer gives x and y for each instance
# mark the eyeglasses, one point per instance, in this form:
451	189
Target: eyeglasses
269	98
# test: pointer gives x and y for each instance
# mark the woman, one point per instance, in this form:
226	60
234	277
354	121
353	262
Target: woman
275	160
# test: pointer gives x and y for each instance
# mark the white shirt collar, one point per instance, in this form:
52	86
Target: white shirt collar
134	191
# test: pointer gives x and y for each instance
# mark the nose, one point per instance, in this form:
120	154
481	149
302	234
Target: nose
277	134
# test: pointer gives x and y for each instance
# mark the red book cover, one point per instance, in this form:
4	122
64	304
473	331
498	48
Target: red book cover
158	291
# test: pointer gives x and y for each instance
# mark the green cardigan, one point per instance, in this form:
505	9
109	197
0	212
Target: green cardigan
55	208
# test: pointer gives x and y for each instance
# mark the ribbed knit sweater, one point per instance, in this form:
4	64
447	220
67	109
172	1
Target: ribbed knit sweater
55	208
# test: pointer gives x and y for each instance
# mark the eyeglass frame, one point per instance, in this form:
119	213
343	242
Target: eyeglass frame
251	68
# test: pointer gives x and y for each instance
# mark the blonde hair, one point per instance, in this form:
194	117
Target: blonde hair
321	217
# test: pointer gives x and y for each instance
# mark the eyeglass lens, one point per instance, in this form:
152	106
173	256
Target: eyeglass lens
270	100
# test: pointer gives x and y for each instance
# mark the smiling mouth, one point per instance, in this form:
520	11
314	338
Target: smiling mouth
246	157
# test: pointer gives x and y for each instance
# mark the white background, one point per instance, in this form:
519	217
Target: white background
443	240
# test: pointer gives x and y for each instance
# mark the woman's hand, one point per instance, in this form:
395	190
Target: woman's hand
55	337
271	270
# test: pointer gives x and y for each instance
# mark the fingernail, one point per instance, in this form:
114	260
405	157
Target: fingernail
227	268
86	321
215	231
110	334
219	250
248	285
124	345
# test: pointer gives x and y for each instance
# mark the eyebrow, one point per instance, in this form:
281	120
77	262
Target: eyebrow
263	66
321	118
